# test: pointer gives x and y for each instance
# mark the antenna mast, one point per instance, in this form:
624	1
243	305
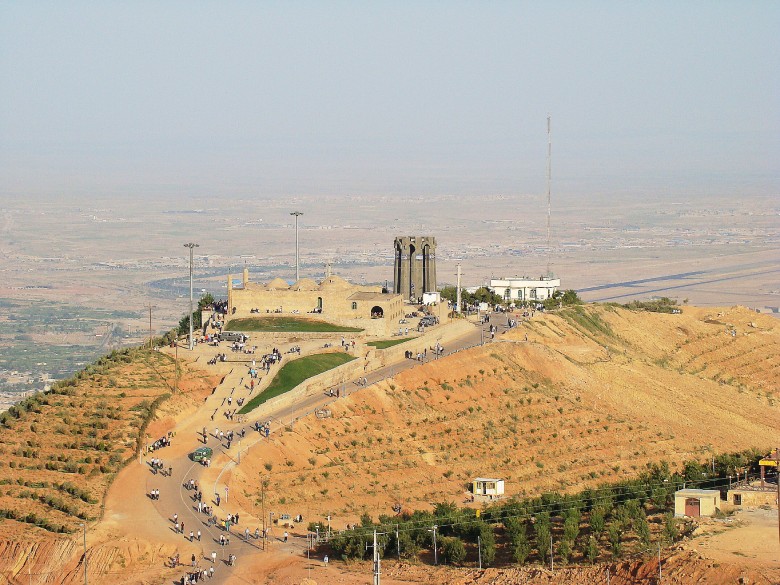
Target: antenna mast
549	180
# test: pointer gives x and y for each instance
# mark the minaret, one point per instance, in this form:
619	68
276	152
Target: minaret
230	294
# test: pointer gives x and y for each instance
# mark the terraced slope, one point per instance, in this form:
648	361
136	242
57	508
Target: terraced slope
60	451
595	394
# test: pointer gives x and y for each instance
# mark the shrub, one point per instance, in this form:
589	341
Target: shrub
592	550
452	550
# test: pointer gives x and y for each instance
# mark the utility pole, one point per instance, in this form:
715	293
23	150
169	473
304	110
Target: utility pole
479	548
377	568
659	563
551	553
397	543
777	479
297	257
150	307
191	246
457	292
435	548
176	367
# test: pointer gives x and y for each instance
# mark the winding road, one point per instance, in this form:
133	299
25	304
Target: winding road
175	498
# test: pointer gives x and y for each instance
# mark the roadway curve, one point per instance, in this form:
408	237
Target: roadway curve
176	499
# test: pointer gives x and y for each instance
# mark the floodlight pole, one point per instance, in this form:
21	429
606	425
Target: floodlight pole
297	257
191	246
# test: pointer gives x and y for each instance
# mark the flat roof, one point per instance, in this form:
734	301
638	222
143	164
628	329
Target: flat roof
487	479
696	492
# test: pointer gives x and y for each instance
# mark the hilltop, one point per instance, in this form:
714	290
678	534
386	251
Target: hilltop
593	395
567	400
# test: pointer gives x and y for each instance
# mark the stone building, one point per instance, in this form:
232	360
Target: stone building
414	268
334	300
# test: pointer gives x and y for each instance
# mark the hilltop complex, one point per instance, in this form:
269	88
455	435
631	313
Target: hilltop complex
334	299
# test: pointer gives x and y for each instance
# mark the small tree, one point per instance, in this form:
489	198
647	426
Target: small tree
571	525
614	536
522	548
592	550
542	529
643	529
205	301
564	550
597	520
671	533
488	543
452	550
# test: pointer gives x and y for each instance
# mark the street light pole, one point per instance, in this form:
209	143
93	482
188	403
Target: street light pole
191	246
297	257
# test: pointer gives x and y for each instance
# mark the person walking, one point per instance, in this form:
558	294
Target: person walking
198	535
213	559
193	560
285	536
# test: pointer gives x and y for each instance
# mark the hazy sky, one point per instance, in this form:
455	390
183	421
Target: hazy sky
162	98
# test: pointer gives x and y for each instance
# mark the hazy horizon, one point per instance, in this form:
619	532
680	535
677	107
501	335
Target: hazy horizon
273	99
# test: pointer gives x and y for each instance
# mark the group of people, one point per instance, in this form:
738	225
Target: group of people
263	428
157	465
220	357
164	441
194	577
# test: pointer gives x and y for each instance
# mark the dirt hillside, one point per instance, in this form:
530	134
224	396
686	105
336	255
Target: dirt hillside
566	400
594	394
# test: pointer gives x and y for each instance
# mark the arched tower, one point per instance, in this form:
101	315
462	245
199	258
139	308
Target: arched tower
414	268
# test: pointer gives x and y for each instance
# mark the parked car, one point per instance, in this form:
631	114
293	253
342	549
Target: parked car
201	453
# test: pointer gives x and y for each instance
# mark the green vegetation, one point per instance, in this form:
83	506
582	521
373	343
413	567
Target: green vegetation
662	305
565	298
385	343
605	522
587	320
481	295
25	344
286	325
295	372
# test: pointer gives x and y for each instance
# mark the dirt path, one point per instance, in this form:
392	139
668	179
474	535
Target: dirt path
131	514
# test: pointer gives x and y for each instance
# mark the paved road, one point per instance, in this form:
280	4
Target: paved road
175	498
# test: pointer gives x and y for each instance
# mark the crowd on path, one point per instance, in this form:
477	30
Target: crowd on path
228	396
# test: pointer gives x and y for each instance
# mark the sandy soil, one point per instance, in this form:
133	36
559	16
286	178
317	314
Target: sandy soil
611	393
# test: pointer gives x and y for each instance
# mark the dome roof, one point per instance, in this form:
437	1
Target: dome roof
277	284
304	284
334	281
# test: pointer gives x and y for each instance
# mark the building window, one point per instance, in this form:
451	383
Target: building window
354	306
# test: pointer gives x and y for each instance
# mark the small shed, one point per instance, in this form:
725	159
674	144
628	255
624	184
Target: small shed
485	486
695	503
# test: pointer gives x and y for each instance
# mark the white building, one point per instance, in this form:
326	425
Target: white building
486	486
522	288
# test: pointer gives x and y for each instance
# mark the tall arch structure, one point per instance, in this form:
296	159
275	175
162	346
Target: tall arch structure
414	268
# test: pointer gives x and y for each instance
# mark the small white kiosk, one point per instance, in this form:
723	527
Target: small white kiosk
486	486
